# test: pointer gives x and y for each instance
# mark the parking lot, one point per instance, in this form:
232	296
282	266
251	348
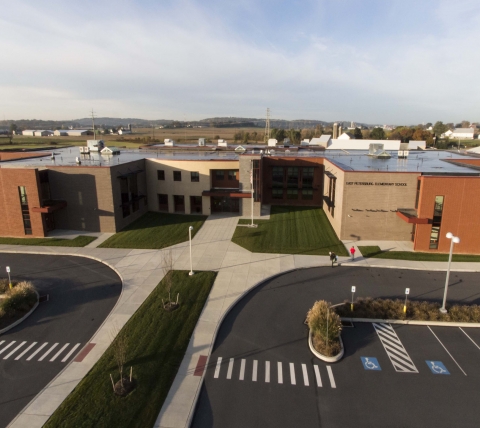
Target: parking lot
261	372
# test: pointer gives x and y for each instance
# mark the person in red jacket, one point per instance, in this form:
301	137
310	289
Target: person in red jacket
352	252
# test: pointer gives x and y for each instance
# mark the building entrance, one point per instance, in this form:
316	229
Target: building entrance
223	204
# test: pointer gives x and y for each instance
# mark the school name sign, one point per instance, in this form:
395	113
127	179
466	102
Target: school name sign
371	183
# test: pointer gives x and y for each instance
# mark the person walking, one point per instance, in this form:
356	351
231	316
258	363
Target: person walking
352	252
333	257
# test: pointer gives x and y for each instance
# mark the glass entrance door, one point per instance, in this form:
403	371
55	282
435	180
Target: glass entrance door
224	204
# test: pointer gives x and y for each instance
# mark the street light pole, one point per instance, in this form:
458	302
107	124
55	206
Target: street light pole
190	238
454	240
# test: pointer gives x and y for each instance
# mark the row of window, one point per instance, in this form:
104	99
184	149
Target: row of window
195	176
292	193
27	224
179	203
436	222
292	176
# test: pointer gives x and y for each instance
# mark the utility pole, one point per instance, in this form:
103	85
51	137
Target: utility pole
93	124
267	127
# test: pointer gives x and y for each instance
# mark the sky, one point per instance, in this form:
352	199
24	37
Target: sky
368	61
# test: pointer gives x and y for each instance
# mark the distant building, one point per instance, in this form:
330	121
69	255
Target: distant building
447	134
346	136
79	132
201	141
272	142
323	141
60	133
28	133
43	133
124	131
463	133
110	151
95	145
222	143
169	142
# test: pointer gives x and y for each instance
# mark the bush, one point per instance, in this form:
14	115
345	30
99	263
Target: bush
326	343
4	286
20	298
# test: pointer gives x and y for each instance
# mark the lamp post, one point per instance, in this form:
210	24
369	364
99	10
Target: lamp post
190	238
9	280
454	240
328	316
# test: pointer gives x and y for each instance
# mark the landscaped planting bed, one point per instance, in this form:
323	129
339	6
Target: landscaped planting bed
15	302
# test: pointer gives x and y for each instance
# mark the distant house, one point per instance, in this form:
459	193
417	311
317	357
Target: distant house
43	133
463	133
28	133
323	141
110	151
346	136
447	134
124	131
240	149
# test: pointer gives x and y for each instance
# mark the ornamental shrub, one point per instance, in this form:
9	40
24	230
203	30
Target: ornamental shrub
325	342
19	299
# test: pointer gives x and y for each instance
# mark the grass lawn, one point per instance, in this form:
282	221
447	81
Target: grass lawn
157	341
290	230
376	252
79	241
156	230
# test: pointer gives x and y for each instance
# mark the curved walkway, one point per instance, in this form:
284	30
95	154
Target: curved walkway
212	249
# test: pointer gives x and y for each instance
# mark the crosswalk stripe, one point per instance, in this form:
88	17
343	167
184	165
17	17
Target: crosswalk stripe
37	351
292	374
2	341
59	352
230	369
25	351
305	375
6	347
330	376
317	376
280	372
386	331
48	352
65	358
267	371
396	351
401	363
242	369
15	350
217	369
254	372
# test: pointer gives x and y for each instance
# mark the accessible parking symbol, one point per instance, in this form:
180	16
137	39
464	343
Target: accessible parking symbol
437	367
370	363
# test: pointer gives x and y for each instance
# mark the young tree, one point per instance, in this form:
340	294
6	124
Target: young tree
377	134
255	136
246	137
120	349
357	133
439	128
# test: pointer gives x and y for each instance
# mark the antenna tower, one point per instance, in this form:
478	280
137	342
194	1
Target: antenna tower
93	124
267	127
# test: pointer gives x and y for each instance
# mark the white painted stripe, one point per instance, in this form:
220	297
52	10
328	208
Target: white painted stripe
394	345
469	337
330	376
230	369
2	342
402	362
255	368
48	352
59	352
292	374
65	358
267	371
394	351
305	375
317	376
280	372
26	350
217	368
447	350
242	370
387	332
37	351
15	350
6	347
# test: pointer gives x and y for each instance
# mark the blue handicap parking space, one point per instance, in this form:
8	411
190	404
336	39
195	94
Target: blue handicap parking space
370	363
437	367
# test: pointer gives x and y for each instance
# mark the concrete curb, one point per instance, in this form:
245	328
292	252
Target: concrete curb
415	322
322	357
452	269
4	330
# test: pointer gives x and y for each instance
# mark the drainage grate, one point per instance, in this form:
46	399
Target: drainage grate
44	298
347	324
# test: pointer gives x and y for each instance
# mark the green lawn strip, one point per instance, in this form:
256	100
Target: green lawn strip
79	241
376	252
155	231
291	230
157	341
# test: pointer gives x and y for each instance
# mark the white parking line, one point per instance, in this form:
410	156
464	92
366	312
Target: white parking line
446	350
15	350
65	358
330	376
254	373
469	338
230	369
59	352
6	347
292	374
267	371
37	351
305	375
217	368
280	372
48	352
317	376
26	350
242	370
2	342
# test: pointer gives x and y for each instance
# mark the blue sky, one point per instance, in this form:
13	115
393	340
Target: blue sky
374	61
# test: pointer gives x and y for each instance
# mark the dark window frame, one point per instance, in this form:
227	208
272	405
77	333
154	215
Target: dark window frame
194	178
160	174
177	175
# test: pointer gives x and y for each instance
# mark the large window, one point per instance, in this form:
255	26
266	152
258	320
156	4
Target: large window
160	174
436	222
307	177
195	177
219	174
179	203
292	176
232	175
195	204
307	194
277	193
292	193
163	202
277	176
27	225
177	175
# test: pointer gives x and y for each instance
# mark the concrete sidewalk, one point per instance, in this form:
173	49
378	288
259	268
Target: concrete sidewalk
239	271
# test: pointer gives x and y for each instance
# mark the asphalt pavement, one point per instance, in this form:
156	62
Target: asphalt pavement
262	374
81	293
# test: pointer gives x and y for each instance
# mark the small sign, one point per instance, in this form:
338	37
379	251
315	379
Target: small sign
353	289
407	290
8	269
370	363
437	367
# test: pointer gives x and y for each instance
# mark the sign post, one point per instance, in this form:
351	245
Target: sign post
407	292
353	292
9	280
